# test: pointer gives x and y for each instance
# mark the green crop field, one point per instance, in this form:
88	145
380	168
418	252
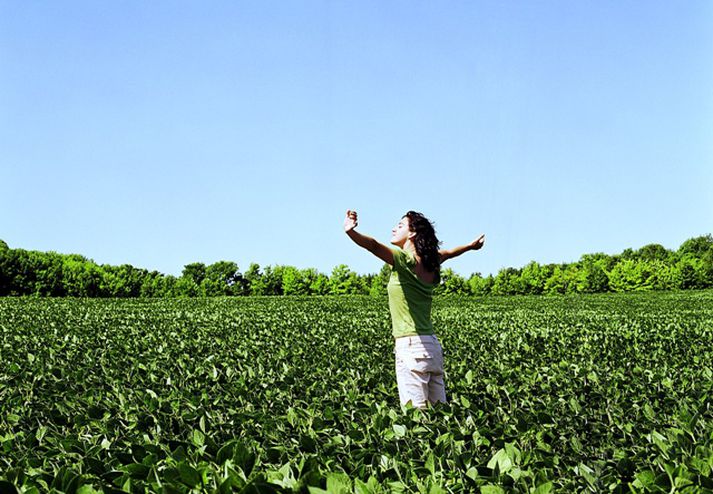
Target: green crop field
598	393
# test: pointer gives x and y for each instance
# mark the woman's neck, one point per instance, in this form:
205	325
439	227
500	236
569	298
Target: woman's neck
409	246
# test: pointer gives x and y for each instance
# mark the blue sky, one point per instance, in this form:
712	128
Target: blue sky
163	133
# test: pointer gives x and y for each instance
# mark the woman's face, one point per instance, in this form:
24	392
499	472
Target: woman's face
400	233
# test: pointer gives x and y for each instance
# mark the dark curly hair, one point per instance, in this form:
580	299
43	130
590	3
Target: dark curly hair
425	241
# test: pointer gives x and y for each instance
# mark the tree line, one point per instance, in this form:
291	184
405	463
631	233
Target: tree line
652	267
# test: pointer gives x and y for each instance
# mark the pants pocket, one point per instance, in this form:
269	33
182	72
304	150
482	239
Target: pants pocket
419	362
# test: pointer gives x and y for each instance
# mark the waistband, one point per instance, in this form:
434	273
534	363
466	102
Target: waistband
415	339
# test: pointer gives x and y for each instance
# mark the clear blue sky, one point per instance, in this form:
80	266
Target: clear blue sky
161	133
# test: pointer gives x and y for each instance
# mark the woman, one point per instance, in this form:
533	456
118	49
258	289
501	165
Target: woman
416	265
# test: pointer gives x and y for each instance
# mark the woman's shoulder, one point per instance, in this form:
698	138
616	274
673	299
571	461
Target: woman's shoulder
402	256
407	262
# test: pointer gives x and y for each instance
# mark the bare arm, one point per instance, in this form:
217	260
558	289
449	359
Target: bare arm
456	251
379	250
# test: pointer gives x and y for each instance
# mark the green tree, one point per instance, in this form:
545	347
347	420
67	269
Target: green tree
653	252
186	286
592	273
452	283
195	271
344	281
663	275
651	267
5	268
628	254
691	272
707	261
508	282
156	284
253	280
562	280
221	279
18	277
49	276
122	281
630	275
697	246
377	286
533	278
294	281
272	280
319	284
82	278
310	277
481	286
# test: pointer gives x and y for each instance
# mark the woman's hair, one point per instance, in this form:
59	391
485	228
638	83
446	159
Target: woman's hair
425	240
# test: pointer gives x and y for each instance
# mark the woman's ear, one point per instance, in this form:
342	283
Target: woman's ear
411	234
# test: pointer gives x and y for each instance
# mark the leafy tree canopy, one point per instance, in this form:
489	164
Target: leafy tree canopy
651	267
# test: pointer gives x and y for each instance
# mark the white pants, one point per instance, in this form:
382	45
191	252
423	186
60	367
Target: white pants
419	370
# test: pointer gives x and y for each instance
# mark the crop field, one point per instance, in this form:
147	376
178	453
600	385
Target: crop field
599	393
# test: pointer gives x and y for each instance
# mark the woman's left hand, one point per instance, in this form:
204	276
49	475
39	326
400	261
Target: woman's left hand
478	243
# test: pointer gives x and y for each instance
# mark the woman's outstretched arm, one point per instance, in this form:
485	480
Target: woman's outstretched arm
379	250
456	251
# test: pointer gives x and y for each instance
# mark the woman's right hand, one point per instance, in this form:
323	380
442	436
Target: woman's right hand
350	222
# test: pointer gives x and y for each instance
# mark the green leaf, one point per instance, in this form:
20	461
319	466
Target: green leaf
338	483
201	423
197	438
396	487
282	477
660	441
189	475
501	460
472	473
225	453
587	473
361	488
491	489
137	470
430	463
87	489
399	430
41	432
370	487
545	488
436	489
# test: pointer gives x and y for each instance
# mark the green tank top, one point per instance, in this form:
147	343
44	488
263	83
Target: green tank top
409	297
